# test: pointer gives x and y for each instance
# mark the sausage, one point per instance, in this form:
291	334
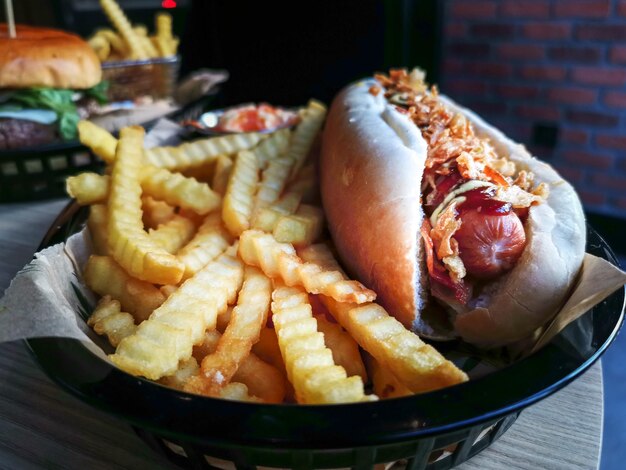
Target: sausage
489	244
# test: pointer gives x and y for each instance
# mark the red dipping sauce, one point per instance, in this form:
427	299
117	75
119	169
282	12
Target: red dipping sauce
255	118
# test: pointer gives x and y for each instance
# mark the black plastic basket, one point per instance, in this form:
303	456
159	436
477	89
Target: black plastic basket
435	430
38	173
430	453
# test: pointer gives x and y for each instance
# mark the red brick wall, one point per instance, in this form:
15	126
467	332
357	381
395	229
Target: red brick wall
559	63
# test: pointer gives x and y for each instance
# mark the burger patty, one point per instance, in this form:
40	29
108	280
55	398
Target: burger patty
17	133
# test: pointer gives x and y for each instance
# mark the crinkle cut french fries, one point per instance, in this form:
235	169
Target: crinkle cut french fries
215	278
132	42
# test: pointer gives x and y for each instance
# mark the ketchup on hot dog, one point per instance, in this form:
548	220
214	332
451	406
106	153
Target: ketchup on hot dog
254	118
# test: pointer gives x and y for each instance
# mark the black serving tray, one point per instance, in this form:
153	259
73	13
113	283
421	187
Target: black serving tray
435	430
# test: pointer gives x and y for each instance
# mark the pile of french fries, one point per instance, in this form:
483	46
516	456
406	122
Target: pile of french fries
132	42
214	278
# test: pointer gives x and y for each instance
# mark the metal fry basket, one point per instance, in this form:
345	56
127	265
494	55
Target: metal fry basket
132	79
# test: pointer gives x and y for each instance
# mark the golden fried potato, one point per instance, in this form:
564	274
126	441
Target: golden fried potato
181	158
223	167
419	366
264	381
305	133
211	240
177	190
121	23
163	22
101	46
275	146
105	277
172	188
97	224
345	350
88	188
238	392
273	181
173	234
168	336
108	319
310	366
247	319
302	228
305	186
118	46
238	200
99	140
200	152
385	384
186	370
164	40
266	218
155	212
128	243
268	350
279	260
321	255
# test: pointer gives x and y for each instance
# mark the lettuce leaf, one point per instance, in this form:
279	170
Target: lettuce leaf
60	101
99	92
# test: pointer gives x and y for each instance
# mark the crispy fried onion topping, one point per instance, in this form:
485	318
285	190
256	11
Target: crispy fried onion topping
441	283
447	248
453	143
520	198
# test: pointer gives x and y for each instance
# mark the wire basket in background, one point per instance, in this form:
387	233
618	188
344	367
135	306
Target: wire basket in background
129	80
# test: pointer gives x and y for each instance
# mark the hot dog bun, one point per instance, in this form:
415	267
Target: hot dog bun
364	143
371	168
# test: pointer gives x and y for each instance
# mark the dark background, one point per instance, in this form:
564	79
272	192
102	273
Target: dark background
285	56
280	52
273	55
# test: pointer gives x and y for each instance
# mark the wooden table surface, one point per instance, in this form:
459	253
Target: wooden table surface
42	427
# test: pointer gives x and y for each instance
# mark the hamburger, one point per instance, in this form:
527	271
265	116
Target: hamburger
49	79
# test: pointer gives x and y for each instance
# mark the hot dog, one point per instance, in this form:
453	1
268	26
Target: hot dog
460	231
